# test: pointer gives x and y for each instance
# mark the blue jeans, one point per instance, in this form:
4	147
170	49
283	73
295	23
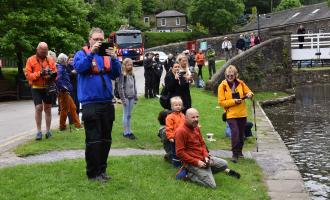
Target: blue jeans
127	113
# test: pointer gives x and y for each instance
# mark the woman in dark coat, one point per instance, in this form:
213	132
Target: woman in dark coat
177	84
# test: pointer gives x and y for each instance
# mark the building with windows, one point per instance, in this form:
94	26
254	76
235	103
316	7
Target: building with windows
171	21
315	18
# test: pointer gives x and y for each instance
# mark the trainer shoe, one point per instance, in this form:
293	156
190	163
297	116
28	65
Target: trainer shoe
99	179
48	135
39	136
234	174
234	159
182	174
132	136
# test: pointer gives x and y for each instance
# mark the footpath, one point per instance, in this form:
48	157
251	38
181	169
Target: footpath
282	177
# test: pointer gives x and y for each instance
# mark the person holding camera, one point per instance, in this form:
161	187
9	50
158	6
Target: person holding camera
198	165
158	71
177	83
40	71
95	73
65	88
232	93
227	46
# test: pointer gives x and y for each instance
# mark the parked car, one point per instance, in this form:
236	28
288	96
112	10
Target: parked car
162	55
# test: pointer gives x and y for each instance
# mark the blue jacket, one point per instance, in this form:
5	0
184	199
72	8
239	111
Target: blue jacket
90	86
63	78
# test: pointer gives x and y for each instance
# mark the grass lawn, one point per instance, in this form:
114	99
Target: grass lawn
145	126
134	177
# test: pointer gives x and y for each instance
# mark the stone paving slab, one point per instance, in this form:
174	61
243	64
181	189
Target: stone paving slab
282	177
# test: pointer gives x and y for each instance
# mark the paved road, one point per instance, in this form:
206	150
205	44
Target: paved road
17	118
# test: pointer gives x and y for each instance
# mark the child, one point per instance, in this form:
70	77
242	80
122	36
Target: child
128	95
173	121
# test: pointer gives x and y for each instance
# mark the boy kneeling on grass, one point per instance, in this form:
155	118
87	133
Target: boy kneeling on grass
198	165
173	121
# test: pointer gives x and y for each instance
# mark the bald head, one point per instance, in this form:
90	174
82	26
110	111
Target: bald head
192	117
42	50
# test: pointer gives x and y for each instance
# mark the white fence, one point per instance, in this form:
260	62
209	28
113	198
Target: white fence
316	46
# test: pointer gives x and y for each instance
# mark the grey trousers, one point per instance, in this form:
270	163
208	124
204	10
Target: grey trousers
204	176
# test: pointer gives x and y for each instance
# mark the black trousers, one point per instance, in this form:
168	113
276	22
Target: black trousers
149	85
98	119
156	84
211	68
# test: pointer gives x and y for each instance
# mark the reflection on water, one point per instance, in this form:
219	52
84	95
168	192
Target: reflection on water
305	128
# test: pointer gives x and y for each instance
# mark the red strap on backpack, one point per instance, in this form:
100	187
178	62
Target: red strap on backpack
95	69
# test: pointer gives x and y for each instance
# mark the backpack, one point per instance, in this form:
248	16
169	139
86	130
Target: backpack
164	98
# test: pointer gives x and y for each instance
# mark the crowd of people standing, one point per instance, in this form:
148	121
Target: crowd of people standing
88	77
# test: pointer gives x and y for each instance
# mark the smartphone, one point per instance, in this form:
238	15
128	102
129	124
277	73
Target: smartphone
103	47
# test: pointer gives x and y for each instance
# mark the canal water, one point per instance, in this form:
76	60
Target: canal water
304	126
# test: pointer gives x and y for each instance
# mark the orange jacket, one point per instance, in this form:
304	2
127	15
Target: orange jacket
200	58
33	68
173	121
225	99
189	145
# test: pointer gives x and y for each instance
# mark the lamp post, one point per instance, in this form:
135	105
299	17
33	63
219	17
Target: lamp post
258	22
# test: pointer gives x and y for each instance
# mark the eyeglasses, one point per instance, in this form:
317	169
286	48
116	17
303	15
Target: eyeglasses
98	39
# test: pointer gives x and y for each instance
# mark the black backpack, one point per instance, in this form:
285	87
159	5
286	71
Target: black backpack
165	97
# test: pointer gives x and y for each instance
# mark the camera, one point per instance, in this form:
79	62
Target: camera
182	73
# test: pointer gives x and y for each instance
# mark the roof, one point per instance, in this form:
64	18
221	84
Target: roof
302	14
170	13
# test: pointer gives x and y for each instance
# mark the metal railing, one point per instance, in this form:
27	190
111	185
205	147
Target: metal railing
316	46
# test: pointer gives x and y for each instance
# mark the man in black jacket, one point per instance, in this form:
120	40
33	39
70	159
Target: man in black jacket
148	76
240	44
301	39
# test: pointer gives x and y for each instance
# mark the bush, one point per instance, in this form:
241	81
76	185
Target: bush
153	39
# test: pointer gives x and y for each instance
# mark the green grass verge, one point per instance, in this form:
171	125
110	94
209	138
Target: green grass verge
134	177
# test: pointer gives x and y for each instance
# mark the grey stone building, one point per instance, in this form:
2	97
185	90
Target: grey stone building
171	21
315	18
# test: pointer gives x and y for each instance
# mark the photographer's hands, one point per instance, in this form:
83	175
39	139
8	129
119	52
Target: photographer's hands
95	47
111	52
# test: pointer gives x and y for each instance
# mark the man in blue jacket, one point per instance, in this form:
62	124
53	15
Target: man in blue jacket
95	94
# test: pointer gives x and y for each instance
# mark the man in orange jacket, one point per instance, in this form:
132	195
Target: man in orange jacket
40	71
200	60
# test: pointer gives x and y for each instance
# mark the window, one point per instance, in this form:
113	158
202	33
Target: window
177	21
309	31
322	30
146	20
295	15
163	22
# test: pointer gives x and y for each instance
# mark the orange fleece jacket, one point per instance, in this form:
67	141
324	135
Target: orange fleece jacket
34	67
173	121
189	144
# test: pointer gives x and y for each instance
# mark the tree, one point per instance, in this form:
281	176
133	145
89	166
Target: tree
219	16
262	5
287	4
24	23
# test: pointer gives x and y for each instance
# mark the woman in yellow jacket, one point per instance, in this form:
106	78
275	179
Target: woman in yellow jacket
231	95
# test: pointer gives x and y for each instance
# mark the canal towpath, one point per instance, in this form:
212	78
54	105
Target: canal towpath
281	175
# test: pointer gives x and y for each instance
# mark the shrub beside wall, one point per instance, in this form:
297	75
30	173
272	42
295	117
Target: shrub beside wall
153	39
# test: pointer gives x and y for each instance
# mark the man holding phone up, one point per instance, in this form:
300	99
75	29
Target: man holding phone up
95	94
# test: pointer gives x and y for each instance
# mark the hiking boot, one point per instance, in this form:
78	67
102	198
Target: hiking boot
234	159
106	176
39	136
48	135
234	174
132	136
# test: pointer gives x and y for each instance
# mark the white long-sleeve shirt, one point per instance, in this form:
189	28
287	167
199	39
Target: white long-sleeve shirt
226	44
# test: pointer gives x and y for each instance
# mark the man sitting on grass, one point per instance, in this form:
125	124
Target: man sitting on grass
198	166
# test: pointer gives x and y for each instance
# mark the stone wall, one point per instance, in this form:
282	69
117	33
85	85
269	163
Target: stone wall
301	77
263	67
215	42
